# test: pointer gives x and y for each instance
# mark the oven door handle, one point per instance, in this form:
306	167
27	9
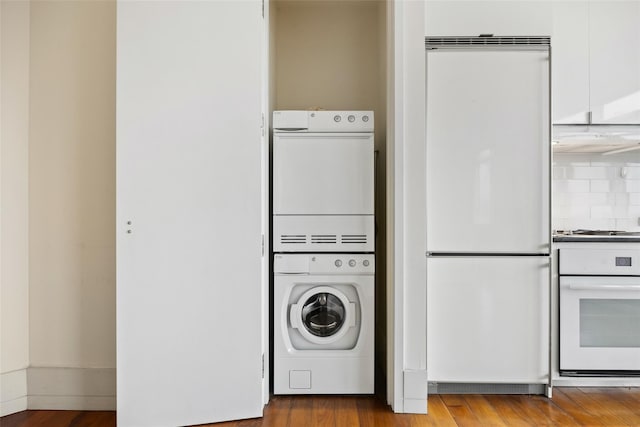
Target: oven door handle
586	287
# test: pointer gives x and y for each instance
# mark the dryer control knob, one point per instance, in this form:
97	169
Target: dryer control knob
365	263
351	118
365	118
337	118
338	263
352	263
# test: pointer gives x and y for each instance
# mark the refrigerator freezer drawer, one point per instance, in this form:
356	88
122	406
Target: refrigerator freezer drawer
488	319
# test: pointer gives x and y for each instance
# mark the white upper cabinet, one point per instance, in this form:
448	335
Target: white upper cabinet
614	46
596	62
570	62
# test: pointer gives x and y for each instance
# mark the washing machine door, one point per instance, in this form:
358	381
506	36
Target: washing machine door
323	315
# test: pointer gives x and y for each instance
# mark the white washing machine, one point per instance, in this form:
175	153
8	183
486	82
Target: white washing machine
324	323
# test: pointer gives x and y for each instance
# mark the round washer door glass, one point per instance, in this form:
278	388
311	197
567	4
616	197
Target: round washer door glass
323	314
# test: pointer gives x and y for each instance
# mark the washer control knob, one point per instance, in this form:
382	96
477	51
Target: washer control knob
365	263
365	118
351	118
338	263
352	263
337	118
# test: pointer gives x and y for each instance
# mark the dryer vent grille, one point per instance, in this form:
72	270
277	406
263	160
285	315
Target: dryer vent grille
354	238
323	238
293	239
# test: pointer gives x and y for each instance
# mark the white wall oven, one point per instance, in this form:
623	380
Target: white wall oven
599	312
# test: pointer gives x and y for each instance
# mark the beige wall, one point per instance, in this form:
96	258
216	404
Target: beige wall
332	55
72	184
14	229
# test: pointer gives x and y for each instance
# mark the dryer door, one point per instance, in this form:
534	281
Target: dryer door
323	315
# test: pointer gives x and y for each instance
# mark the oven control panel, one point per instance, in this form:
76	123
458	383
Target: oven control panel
600	262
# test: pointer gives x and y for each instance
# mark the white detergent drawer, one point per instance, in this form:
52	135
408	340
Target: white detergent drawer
488	319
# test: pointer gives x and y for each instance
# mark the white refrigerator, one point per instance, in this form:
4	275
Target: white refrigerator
488	210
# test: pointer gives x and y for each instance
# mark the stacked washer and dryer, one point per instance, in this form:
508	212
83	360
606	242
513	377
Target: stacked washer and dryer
323	243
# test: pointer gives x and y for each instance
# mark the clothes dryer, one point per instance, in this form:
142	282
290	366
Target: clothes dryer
323	181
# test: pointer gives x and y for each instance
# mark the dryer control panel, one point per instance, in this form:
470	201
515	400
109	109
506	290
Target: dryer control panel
322	121
344	264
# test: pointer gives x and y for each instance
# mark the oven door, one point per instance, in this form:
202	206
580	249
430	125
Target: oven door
599	324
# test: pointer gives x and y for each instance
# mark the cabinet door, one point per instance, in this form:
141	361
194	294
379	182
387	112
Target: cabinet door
488	320
189	214
487	151
614	39
570	62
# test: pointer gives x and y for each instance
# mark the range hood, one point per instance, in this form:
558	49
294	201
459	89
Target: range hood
604	139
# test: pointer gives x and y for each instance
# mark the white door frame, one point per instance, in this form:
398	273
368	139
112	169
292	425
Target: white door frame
406	208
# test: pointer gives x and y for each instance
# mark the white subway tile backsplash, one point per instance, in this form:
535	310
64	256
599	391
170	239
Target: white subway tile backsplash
632	185
596	192
620	199
600	186
592	224
618	185
600	198
632	172
587	172
579	199
559	173
634	211
602	212
577	186
621	212
632	224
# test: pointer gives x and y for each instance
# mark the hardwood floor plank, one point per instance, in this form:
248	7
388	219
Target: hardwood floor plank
483	410
276	413
584	416
438	414
552	411
508	413
346	412
453	399
300	412
603	403
94	419
323	411
19	419
630	397
459	410
570	407
366	411
523	404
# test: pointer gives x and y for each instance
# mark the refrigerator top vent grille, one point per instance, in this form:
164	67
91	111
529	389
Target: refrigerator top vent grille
462	42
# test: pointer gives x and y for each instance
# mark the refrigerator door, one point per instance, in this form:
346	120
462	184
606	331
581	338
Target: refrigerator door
488	319
488	151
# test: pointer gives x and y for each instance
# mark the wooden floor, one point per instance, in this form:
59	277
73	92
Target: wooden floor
569	407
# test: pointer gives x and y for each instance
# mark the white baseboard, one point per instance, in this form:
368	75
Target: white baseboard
83	389
415	406
415	391
13	392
